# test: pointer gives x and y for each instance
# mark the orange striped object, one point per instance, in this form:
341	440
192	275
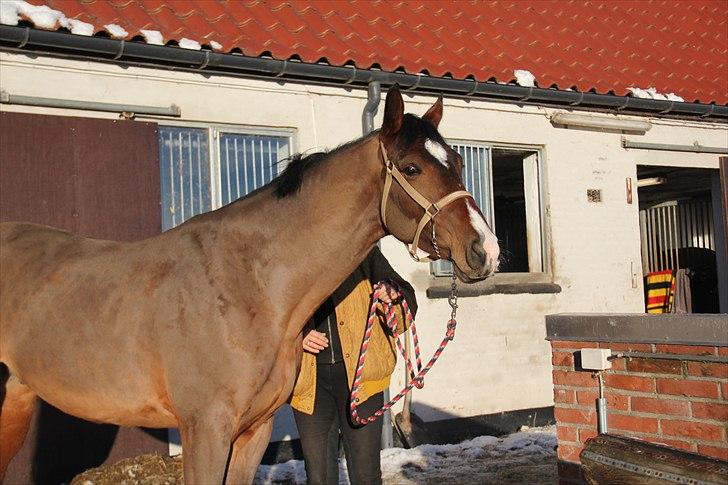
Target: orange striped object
660	288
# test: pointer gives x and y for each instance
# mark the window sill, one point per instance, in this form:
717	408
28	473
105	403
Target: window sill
502	283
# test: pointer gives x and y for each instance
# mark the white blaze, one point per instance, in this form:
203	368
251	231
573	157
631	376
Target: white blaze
490	241
437	151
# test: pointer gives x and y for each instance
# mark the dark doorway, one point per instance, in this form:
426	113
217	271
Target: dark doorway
677	228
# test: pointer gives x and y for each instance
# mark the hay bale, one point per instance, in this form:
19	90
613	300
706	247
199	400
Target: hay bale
151	469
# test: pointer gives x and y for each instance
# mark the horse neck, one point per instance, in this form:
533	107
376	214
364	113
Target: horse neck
312	240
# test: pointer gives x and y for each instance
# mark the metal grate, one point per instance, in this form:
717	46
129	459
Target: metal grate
185	174
248	162
669	227
476	174
196	179
477	179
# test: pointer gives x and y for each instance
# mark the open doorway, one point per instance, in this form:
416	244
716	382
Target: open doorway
678	237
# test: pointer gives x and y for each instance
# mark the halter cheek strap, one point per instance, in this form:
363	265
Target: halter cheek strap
431	208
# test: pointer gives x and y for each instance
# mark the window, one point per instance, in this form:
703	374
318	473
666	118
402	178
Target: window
506	185
199	175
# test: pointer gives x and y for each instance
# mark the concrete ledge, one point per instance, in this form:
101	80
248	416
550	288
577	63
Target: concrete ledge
508	289
687	329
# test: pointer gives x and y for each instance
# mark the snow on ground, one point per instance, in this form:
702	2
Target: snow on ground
528	457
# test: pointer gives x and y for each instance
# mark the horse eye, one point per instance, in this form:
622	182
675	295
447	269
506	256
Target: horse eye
411	170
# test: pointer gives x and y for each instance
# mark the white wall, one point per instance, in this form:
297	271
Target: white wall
499	360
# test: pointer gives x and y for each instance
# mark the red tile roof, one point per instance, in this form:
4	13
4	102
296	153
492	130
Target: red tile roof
602	46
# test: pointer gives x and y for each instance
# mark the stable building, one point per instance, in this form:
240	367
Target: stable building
592	135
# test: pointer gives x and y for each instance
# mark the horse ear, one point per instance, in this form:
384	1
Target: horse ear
434	114
393	112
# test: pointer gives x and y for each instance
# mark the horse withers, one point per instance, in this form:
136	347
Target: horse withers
200	327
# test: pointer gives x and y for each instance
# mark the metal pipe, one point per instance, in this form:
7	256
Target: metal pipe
13	38
673	148
173	110
664	356
602	426
374	95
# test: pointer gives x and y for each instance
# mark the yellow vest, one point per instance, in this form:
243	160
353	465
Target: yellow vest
353	301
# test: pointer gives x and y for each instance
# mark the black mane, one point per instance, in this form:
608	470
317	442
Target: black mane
289	182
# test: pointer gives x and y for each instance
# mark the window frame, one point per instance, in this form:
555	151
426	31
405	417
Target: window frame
214	130
544	274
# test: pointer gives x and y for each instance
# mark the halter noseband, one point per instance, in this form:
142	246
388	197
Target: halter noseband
431	208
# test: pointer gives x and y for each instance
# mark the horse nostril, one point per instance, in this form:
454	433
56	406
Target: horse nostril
476	256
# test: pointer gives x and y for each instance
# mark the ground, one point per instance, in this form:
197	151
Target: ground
528	457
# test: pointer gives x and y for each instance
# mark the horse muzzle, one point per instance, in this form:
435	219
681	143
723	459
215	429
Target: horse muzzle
482	257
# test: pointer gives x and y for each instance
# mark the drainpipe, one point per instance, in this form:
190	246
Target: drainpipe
374	95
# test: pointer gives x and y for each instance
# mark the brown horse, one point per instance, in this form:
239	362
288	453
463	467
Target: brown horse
200	327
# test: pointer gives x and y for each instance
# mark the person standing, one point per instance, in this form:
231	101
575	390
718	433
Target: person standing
331	343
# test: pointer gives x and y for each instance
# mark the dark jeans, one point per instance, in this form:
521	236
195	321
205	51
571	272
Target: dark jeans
319	432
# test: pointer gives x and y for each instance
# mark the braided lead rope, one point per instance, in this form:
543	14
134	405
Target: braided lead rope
418	379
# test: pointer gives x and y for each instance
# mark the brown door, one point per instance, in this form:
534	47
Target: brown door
97	178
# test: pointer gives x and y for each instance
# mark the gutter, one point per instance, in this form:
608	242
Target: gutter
14	39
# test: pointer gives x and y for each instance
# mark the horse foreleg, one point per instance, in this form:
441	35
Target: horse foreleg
248	449
205	448
17	403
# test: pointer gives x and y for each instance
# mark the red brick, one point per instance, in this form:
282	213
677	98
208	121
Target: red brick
566	396
692	429
568	452
709	410
563	359
715	451
682	387
655	366
576	416
574	378
614	401
564	433
630	347
686	349
630	383
617	402
708	369
586	433
724	390
723	351
564	344
632	423
586	397
619	364
660	406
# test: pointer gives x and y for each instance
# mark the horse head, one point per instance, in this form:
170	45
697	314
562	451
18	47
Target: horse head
424	200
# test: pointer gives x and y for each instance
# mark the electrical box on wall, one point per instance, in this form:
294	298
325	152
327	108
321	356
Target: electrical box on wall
596	359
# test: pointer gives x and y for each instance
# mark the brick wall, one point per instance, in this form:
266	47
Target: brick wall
680	403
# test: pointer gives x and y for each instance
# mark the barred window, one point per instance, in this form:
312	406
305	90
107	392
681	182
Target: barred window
198	175
506	185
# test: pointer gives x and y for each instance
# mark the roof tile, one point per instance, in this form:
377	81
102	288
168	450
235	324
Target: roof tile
596	45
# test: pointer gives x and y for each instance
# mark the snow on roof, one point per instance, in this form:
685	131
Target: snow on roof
153	37
672	45
524	78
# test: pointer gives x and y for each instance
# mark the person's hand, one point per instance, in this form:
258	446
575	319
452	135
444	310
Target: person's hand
389	295
314	342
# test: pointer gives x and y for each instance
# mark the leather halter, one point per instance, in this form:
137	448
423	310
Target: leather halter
431	208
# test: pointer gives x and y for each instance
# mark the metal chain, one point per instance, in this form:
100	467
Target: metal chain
453	298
